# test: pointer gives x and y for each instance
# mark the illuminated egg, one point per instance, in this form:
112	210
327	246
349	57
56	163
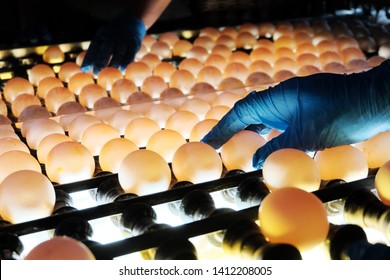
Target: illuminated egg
108	76
67	70
183	80
261	66
375	60
307	70
306	48
241	57
120	119
78	81
283	29
232	84
291	168
282	75
382	180
302	37
58	96
154	85
209	31
197	106
285	63
173	97
15	160
26	195
293	216
226	99
140	129
16	86
196	162
137	72
308	59
201	129
321	36
89	94
150	59
285	41
327	45
258	78
182	122
138	97
148	40
284	53
335	67
202	87
8	133
141	53
96	135
352	53
69	162
33	112
38	72
159	113
217	112
181	48
237	70
228	31
47	143
330	56
374	149
357	65
217	61
249	27
266	29
164	70
22	101
342	162
161	49
263	54
144	172
113	152
80	58
211	75
3	108
198	52
205	42
237	153
227	41
46	84
41	128
70	107
79	124
122	89
192	65
60	248
245	40
265	43
105	107
165	143
53	55
221	50
12	144
344	42
272	134
169	37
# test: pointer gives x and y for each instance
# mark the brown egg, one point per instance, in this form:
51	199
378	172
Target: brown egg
53	55
137	72
56	97
46	84
15	87
78	81
38	72
122	89
108	76
67	70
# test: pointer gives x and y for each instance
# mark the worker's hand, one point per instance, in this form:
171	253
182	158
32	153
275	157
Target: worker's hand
115	44
314	112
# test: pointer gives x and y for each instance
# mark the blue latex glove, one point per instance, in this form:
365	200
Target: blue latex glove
115	44
314	112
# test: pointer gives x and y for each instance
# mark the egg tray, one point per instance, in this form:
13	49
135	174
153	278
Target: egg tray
186	230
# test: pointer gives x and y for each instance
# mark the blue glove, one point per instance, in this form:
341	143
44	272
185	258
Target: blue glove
115	44
314	112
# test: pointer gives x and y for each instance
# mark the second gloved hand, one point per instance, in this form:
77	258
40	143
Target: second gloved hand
115	44
314	112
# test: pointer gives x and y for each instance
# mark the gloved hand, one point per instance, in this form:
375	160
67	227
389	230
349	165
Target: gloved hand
314	112
115	44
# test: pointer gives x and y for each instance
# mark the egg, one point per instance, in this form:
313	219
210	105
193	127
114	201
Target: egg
95	136
375	149
192	65
40	128
53	55
121	118
58	96
78	81
197	106
196	162
22	101
245	40
12	144
293	216
164	70
16	86
211	75
67	70
159	113
236	70
90	93
122	89
33	112
79	124
144	172
183	80
69	162
201	129
154	85
60	248
108	76
221	50
113	152
47	143
182	122
171	38
217	112
139	130
198	52
161	49
165	142
137	72
291	168
46	84
181	48
205	42
150	59
26	195
38	72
